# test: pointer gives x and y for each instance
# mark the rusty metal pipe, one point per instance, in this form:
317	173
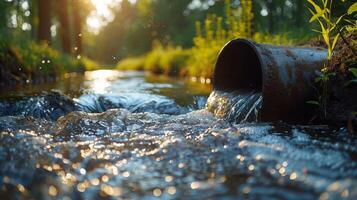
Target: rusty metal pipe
284	75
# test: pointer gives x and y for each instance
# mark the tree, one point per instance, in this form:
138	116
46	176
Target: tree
299	13
77	26
33	18
64	30
271	8
4	8
44	15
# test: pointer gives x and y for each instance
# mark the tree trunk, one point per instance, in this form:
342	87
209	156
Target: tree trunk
271	7
299	12
3	16
44	27
64	30
77	23
33	17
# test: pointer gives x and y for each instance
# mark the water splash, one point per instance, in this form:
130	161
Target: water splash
120	154
236	106
141	152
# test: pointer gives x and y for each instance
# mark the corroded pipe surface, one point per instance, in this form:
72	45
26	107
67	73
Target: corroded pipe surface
284	75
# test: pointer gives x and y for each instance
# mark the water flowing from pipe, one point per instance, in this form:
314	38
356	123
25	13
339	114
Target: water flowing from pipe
237	106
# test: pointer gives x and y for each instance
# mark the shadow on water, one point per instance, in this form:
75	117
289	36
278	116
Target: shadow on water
130	136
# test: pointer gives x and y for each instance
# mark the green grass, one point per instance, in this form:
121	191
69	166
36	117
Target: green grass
29	59
172	61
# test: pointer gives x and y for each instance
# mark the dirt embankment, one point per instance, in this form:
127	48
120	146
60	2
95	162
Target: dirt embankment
342	105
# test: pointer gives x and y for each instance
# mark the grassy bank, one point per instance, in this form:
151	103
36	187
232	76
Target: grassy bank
197	61
29	62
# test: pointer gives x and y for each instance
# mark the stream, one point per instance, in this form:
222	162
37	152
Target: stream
129	135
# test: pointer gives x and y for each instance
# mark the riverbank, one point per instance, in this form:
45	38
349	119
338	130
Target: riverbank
342	106
197	62
31	63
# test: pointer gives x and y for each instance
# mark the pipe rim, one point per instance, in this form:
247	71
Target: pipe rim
253	46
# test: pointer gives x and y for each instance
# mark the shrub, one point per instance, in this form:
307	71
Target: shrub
133	63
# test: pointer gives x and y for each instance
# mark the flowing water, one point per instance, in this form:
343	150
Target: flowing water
132	136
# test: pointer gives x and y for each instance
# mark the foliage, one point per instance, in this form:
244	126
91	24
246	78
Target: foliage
330	30
328	25
210	38
131	63
354	73
40	60
352	23
217	31
163	60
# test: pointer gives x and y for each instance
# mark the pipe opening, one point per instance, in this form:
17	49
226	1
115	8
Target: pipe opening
238	67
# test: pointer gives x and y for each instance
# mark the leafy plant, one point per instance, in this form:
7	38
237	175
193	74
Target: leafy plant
352	23
330	34
328	25
354	73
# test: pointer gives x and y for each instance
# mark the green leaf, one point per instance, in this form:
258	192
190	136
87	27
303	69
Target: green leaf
335	39
318	79
351	81
325	3
316	103
317	8
352	8
354	71
314	17
317	15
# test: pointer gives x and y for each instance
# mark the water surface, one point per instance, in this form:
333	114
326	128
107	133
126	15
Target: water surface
153	139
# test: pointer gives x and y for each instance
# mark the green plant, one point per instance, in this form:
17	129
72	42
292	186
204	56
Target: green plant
354	73
330	33
328	25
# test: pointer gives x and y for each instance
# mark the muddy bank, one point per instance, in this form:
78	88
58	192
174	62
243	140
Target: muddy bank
341	92
342	104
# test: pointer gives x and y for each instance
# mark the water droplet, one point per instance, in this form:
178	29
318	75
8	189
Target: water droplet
105	178
195	185
52	191
21	188
81	187
246	190
171	190
126	174
285	164
282	170
156	192
293	176
6	179
345	194
94	181
169	178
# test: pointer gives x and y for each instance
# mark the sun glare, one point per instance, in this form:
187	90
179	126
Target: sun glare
101	15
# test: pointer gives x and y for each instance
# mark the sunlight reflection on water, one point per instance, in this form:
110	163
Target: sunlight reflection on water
100	80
